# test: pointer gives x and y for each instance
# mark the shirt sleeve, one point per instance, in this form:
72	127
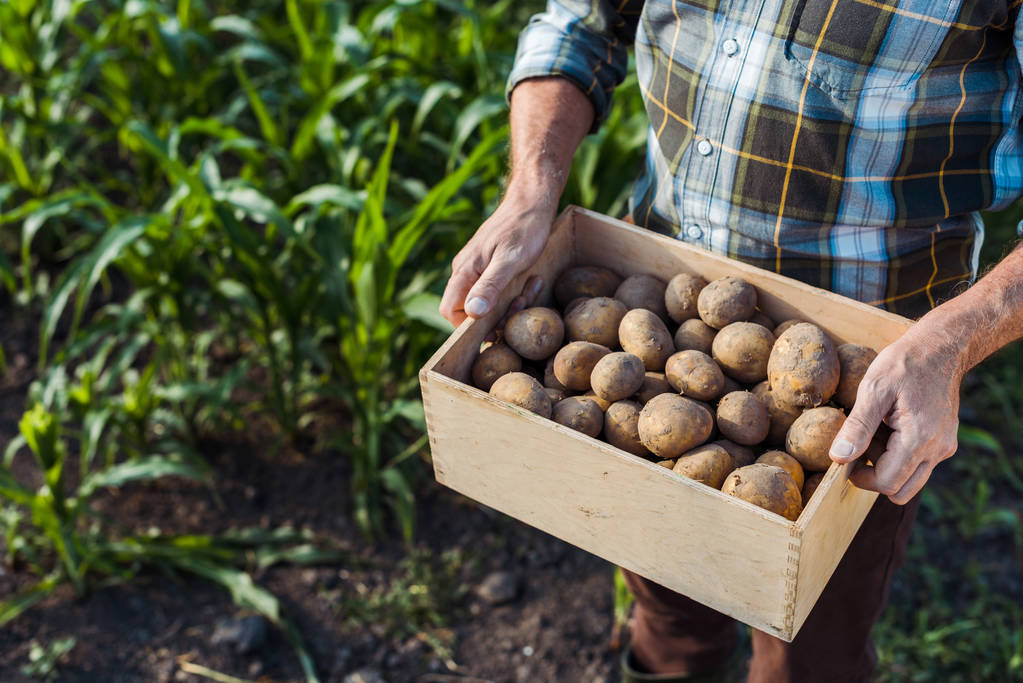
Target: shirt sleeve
584	42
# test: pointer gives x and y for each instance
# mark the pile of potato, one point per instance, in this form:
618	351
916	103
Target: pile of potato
731	399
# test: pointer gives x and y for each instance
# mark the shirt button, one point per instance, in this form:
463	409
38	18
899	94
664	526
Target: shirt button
730	46
694	231
704	147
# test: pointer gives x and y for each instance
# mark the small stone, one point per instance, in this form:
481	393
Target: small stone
528	651
499	588
255	668
244	634
366	675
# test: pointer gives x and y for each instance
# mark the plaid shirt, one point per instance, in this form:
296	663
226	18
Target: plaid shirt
846	143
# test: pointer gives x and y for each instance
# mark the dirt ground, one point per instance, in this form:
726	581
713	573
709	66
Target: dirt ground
556	625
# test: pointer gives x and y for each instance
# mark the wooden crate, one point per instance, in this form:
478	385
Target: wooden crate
721	551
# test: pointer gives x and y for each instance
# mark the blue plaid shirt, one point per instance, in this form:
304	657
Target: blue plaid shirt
846	143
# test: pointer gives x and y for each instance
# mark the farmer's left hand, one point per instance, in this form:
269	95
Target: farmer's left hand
913	386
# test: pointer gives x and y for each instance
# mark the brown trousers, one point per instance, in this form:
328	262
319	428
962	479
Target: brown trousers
673	634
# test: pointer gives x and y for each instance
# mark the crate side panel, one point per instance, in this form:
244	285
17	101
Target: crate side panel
615	244
626	510
826	531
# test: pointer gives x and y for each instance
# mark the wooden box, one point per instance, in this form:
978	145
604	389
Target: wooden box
721	551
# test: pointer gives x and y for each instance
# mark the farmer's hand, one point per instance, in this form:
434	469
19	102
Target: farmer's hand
913	386
506	244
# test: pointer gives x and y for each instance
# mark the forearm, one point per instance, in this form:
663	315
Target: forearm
549	118
981	320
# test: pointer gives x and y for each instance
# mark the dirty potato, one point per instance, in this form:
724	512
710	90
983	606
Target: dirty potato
766	486
695	374
585	281
494	361
726	300
742	418
579	413
810	436
742	350
573	364
617	376
643	334
803	367
535	333
524	391
669	425
621	427
595	320
680	296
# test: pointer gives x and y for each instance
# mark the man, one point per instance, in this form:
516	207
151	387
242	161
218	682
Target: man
846	143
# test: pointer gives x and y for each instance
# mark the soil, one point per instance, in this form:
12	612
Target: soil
156	627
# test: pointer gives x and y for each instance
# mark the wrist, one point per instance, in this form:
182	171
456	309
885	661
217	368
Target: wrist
939	339
536	191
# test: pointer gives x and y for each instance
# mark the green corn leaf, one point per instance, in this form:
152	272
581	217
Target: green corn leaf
433	94
153	467
55	306
435	201
117	238
255	205
12	607
979	438
143	136
326	194
12	490
270	131
306	133
479	110
7	273
424	307
403	499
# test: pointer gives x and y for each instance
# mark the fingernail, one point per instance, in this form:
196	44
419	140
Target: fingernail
477	306
841	448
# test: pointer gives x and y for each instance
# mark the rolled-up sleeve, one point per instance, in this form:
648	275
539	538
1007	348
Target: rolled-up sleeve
584	42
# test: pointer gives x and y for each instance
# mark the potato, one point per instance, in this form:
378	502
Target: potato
695	374
726	300
554	394
708	464
595	320
694	334
617	375
742	350
574	363
669	425
760	319
585	281
766	486
549	378
524	391
580	414
810	436
621	427
535	333
643	334
782	415
742	418
570	306
741	456
494	361
784	325
666	463
803	367
787	463
853	361
643	291
654	383
680	296
810	485
602	402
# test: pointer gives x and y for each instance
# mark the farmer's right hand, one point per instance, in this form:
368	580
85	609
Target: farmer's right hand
505	245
